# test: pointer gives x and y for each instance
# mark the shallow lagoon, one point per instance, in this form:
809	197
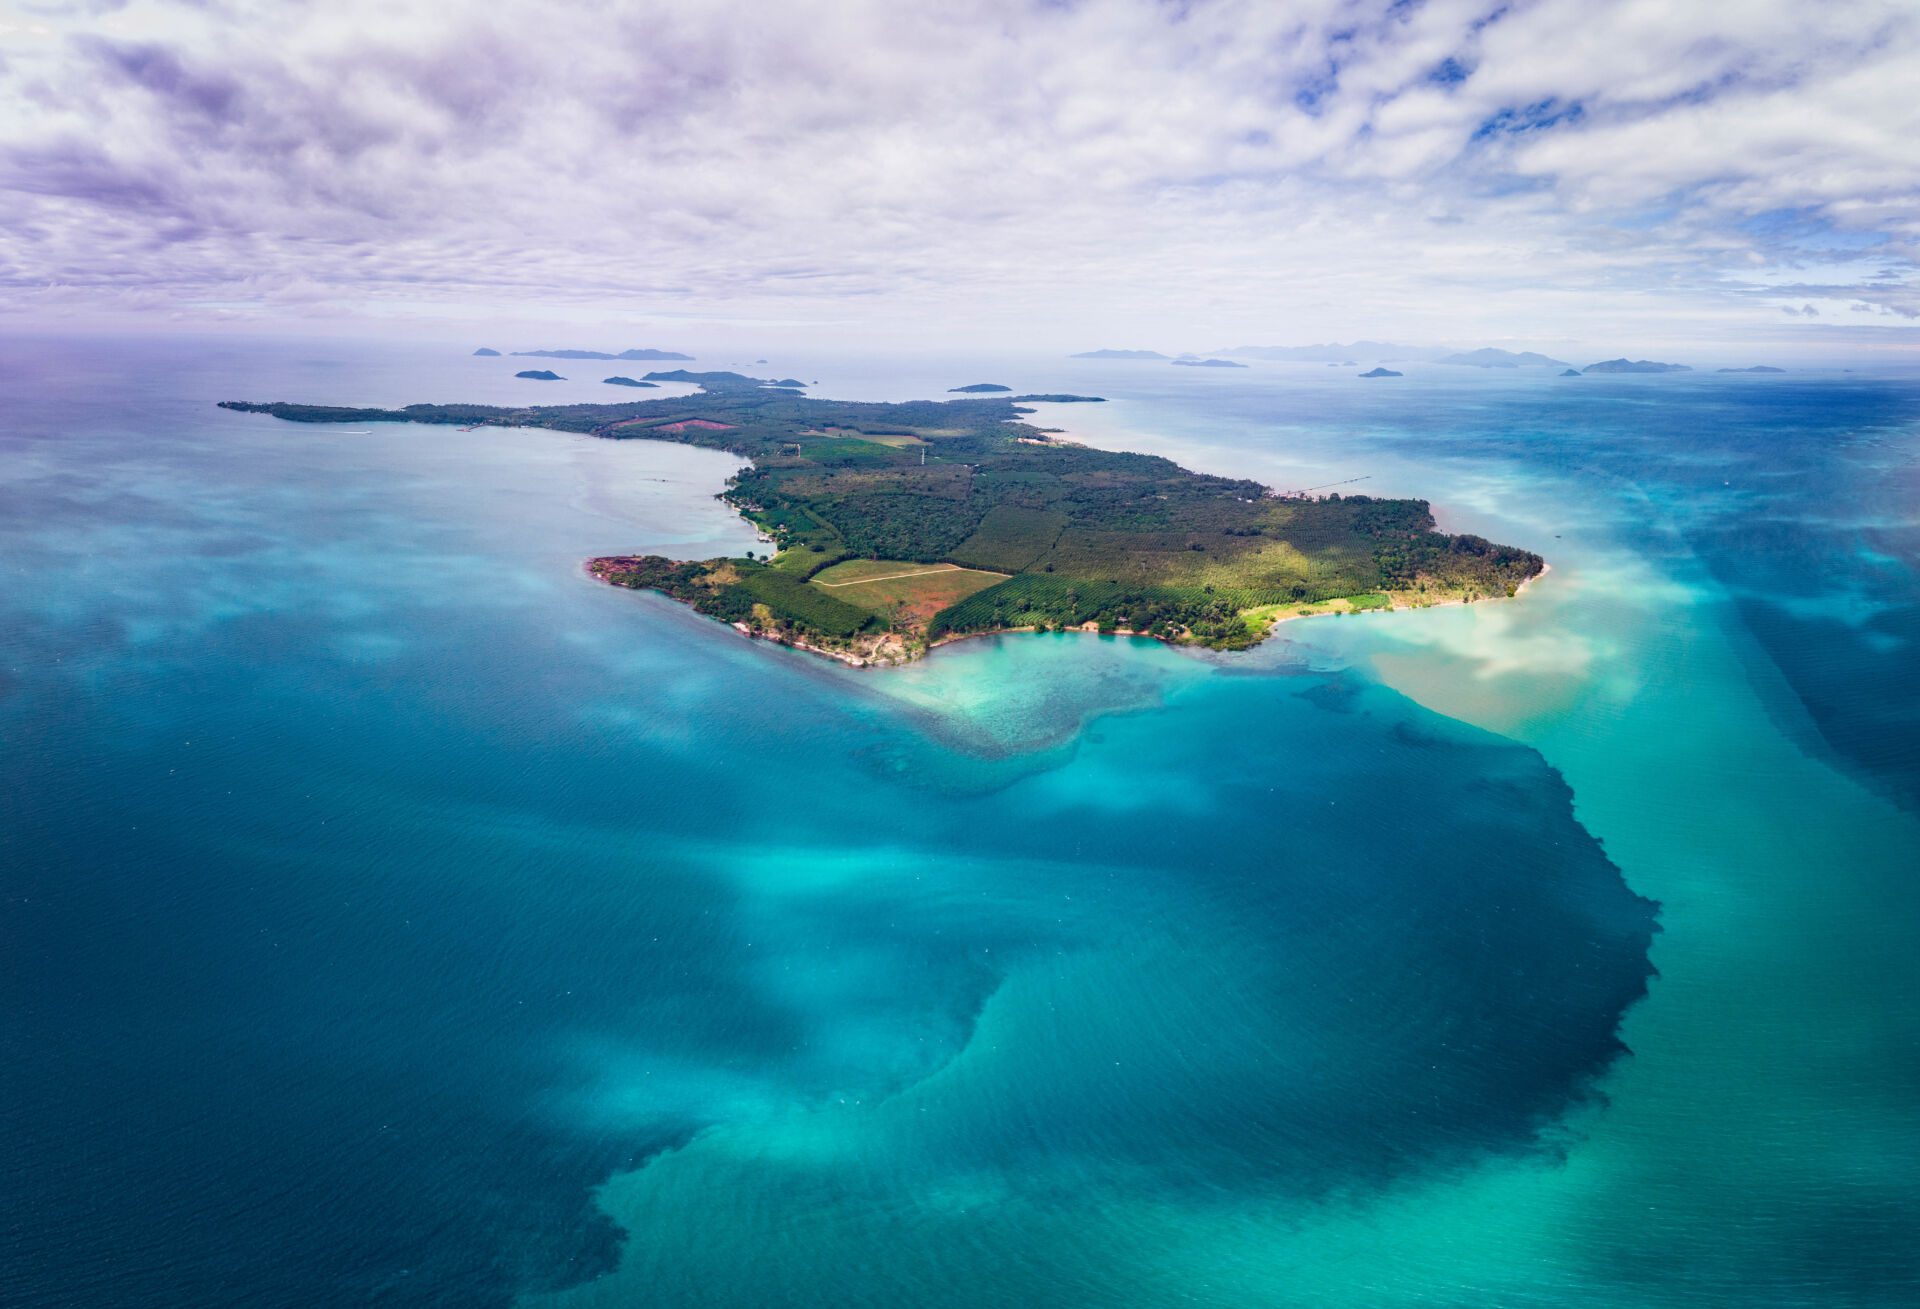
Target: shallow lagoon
379	887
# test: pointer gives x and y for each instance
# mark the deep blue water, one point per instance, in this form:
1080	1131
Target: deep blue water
373	888
1799	495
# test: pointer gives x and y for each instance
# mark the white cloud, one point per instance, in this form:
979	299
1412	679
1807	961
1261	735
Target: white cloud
1318	167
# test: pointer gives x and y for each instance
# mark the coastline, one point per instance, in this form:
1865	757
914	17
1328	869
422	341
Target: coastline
854	659
1373	553
1136	510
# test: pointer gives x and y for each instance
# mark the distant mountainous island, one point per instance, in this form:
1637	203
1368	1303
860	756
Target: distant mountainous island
485	353
978	388
899	526
626	381
541	375
1491	358
1118	354
1207	363
1757	368
1634	366
1381	372
1571	372
1386	352
599	354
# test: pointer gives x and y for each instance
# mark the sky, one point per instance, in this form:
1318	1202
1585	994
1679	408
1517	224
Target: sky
1181	176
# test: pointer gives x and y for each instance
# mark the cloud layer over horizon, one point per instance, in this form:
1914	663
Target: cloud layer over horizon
1102	172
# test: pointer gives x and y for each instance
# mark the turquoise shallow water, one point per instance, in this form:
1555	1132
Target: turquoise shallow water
392	916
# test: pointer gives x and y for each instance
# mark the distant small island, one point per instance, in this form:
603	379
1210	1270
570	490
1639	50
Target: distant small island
1207	363
1634	366
1118	354
541	375
719	381
898	527
1381	372
1757	368
1491	358
1571	372
485	353
599	354
626	381
978	388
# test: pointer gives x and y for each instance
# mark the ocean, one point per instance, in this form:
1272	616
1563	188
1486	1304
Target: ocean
391	915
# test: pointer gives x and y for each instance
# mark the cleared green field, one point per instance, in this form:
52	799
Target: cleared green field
804	561
865	570
908	593
848	450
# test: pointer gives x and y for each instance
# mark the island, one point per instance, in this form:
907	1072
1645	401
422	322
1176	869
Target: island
1207	363
897	527
599	354
978	388
1491	358
720	381
541	375
1757	368
627	381
485	353
1571	372
1118	354
1634	366
1381	372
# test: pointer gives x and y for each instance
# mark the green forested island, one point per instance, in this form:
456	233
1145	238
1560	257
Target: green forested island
897	526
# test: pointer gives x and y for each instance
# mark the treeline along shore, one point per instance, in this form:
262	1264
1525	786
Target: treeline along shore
897	526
